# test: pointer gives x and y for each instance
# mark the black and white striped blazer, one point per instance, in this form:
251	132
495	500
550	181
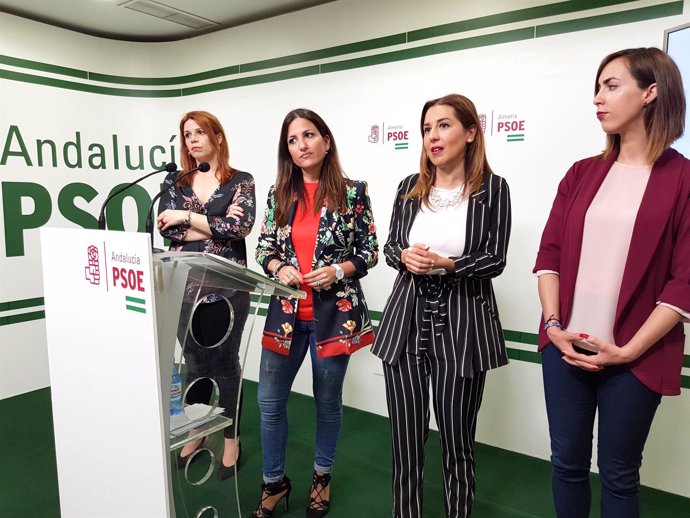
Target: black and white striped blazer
475	330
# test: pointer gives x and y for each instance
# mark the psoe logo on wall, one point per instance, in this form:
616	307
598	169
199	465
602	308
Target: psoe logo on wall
508	126
395	135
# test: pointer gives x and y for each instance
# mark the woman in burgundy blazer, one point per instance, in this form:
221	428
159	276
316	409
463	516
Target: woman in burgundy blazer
641	106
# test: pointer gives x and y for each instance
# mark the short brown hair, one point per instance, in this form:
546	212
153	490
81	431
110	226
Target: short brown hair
475	155
664	117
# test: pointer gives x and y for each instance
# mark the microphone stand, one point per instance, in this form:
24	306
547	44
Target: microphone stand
171	167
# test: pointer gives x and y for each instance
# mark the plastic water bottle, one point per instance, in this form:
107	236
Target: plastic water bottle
175	392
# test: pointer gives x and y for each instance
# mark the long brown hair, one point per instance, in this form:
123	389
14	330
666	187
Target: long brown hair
475	152
212	127
332	189
664	117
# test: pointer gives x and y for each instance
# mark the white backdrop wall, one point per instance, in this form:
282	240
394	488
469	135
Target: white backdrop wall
545	82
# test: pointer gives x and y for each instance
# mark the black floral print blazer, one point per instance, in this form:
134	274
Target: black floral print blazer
341	317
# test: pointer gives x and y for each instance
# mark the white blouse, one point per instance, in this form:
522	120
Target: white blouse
442	226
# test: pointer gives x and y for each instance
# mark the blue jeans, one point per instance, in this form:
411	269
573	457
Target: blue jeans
276	374
626	410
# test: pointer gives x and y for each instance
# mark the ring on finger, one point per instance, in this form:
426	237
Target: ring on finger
319	282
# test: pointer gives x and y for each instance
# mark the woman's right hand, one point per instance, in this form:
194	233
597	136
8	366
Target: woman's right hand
290	276
235	211
563	341
419	260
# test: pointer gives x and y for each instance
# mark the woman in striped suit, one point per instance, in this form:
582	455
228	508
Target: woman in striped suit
448	238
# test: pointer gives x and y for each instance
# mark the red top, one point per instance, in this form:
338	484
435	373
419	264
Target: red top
304	230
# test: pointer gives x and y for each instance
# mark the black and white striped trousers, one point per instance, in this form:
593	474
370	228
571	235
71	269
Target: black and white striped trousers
456	402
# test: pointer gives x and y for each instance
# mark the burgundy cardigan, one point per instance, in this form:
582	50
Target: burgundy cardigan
657	268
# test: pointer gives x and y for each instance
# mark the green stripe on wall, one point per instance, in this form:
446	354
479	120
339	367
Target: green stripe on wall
43	67
525	356
21	304
340	50
24	317
519	15
253	80
163	81
70	85
430	50
593	22
521	337
607	20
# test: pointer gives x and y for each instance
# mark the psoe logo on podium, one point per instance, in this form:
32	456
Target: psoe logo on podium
129	276
92	270
121	271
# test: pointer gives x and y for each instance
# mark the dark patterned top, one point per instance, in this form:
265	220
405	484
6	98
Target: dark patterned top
228	232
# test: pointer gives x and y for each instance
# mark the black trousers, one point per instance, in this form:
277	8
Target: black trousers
456	402
211	351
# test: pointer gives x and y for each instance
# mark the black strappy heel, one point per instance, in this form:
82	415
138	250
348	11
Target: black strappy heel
269	489
318	505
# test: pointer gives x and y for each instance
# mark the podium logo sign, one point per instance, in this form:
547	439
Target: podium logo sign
136	304
123	271
129	276
92	271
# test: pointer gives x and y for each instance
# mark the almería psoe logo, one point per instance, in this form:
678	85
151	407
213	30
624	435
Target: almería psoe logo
92	272
374	135
385	134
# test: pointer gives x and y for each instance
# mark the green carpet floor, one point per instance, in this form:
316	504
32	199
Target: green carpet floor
509	485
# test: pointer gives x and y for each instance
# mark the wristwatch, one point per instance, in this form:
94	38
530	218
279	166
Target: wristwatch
339	272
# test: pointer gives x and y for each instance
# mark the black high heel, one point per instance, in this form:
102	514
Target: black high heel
182	461
318	505
226	472
269	489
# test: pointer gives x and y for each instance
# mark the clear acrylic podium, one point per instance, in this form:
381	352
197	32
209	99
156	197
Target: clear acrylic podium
182	280
112	321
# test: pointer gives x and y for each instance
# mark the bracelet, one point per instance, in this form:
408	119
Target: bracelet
187	219
553	322
277	270
552	317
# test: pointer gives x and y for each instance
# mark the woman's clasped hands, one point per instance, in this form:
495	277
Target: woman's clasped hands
418	259
319	279
606	353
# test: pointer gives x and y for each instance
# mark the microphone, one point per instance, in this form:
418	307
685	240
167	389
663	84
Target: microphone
171	167
203	167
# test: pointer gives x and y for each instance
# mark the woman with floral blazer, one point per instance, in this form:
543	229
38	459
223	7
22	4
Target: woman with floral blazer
318	235
340	311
